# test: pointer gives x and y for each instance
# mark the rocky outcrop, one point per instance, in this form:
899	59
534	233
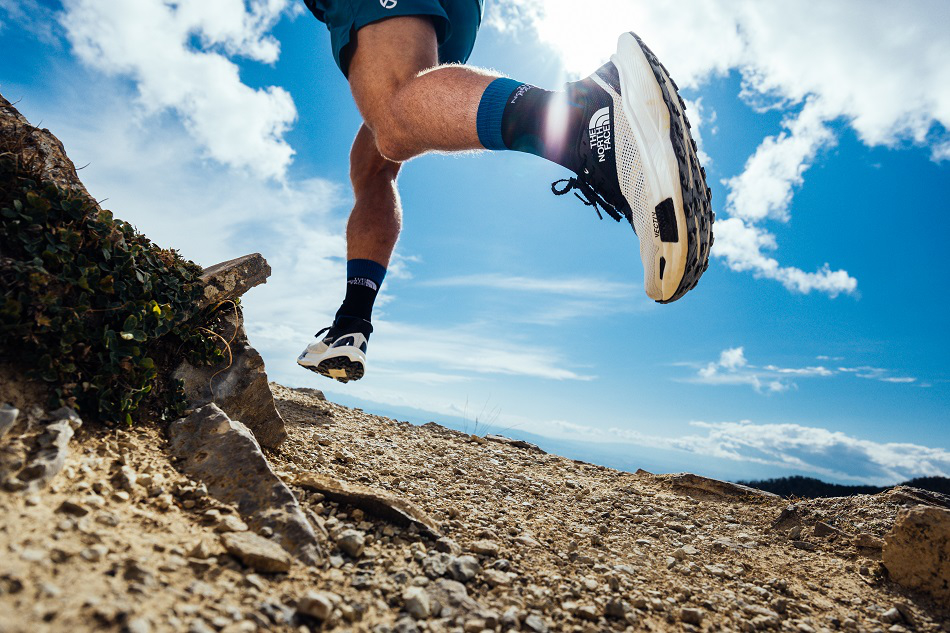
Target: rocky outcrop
231	279
40	148
34	454
240	389
223	454
528	446
917	551
695	483
375	502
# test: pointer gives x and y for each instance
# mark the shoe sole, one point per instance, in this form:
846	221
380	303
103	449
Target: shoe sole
677	269
340	368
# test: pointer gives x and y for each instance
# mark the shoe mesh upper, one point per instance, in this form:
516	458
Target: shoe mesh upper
634	186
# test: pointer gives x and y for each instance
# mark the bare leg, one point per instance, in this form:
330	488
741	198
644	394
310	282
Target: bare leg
411	104
376	219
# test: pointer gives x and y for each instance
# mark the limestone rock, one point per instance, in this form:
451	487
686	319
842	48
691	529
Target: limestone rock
501	439
44	150
917	551
257	552
231	279
449	598
8	416
691	482
375	502
53	445
225	456
241	390
316	604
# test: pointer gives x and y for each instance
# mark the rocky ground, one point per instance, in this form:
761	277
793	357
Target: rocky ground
122	541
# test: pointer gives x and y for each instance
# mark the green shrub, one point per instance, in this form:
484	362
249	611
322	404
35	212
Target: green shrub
87	303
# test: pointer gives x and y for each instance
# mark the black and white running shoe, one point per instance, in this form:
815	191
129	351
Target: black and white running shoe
638	161
341	353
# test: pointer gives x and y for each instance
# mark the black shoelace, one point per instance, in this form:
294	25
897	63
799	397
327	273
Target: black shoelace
588	195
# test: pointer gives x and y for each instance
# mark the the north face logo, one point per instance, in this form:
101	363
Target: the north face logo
388	4
599	129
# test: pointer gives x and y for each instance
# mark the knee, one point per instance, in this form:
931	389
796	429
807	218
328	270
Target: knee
391	143
369	167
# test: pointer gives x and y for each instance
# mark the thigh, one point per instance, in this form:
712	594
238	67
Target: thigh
345	18
386	55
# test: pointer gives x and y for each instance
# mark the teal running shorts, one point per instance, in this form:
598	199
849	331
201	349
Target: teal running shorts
456	23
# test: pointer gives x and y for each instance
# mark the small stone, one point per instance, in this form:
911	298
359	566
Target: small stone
717	570
691	616
475	625
417	603
617	609
32	555
496	578
94	553
804	545
256	552
891	616
406	625
316	604
438	565
73	508
463	568
139	625
351	542
485	548
448	546
230	523
869	541
587	612
535	624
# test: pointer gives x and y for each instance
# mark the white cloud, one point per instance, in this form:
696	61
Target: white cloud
571	286
177	54
846	70
733	368
820	451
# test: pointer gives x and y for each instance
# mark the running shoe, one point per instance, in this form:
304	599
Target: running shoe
638	162
340	353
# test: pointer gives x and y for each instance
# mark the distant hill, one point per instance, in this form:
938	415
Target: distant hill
811	488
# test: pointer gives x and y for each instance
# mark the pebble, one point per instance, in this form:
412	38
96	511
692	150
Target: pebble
316	604
535	624
417	602
868	540
691	616
256	552
139	625
230	523
497	578
351	542
485	547
73	508
463	568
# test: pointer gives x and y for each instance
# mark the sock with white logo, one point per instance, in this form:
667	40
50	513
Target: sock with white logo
552	125
363	279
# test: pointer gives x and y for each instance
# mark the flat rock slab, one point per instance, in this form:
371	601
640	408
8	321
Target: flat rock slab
501	439
917	551
231	279
44	455
224	455
241	389
375	502
257	552
917	496
689	481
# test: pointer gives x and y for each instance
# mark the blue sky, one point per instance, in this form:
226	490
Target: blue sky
815	343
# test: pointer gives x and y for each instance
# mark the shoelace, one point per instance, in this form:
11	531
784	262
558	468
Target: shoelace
590	196
317	335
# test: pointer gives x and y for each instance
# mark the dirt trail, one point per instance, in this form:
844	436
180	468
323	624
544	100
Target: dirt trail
531	542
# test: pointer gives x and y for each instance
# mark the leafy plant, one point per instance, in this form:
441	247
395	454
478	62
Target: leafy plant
87	302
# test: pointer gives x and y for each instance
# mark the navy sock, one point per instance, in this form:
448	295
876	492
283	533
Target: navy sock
514	115
363	279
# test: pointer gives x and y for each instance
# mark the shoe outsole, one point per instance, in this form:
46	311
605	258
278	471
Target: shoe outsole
352	370
697	198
